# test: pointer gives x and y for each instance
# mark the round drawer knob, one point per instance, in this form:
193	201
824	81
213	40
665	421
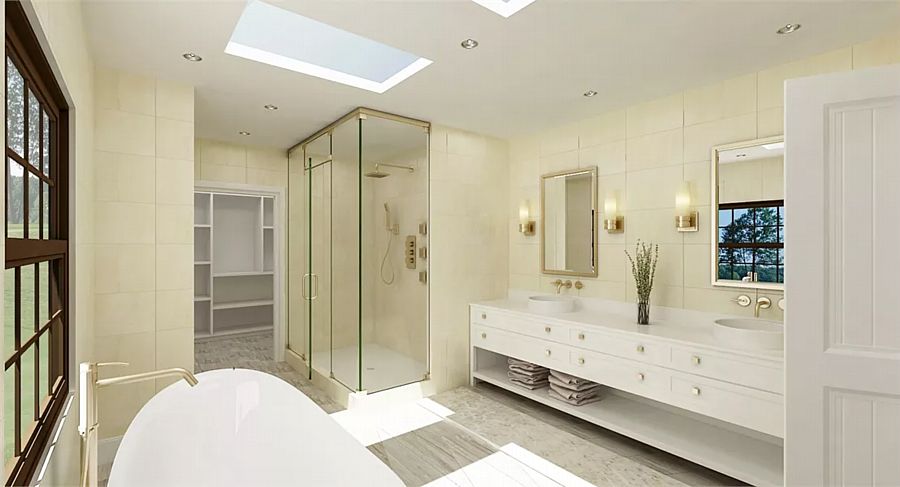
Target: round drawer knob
581	336
547	329
695	391
547	352
483	335
581	360
640	349
484	316
640	376
695	360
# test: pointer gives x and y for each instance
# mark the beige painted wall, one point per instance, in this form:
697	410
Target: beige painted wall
468	242
144	151
643	153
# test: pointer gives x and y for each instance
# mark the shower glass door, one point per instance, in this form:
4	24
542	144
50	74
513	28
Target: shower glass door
317	280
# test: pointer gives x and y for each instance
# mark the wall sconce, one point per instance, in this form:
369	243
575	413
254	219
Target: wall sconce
526	224
686	220
612	222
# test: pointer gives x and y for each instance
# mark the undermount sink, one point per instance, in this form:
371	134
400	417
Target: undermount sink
551	304
750	333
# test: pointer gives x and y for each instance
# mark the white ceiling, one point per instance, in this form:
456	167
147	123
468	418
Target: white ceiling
528	73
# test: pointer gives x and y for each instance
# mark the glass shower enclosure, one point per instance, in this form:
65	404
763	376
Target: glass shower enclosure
358	251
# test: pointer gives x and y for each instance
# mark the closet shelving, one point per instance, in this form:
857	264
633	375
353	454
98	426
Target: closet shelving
234	263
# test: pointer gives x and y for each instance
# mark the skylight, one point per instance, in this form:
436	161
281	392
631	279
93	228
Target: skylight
504	7
282	38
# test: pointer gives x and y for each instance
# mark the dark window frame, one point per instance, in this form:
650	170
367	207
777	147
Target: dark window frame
24	50
778	246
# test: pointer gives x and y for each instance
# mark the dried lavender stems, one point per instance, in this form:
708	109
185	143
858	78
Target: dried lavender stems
643	267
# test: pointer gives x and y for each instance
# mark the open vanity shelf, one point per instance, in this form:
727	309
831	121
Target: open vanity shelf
234	263
721	410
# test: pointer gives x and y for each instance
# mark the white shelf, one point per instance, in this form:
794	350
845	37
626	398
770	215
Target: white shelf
740	456
235	331
201	298
243	273
268	227
243	304
202	262
202	225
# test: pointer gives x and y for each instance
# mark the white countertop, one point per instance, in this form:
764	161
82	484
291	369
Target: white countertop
686	326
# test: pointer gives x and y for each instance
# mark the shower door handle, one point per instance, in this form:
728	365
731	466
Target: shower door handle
315	286
303	293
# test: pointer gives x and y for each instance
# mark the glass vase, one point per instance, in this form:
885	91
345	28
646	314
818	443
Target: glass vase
643	312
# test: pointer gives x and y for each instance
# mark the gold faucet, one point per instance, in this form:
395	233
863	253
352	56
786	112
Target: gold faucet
761	303
559	283
88	422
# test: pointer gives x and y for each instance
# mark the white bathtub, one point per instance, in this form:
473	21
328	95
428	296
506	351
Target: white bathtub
241	428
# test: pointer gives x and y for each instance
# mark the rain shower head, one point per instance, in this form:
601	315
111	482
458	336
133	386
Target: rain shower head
378	174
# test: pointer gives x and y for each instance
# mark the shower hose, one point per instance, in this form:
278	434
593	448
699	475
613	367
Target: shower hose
386	260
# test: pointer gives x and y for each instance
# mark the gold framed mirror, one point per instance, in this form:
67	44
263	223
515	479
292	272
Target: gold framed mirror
748	214
569	222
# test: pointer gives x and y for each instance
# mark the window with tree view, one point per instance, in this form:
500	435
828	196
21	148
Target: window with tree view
35	320
751	241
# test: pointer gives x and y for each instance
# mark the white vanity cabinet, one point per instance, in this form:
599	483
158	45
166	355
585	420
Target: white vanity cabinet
718	408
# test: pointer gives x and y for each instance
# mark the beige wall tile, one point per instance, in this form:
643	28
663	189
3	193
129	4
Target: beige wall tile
174	182
218	172
465	143
727	99
655	116
656	150
174	224
172	264
175	309
697	265
771	81
263	177
653	188
174	139
770	122
717	300
268	159
175	100
602	130
124	178
124	268
125	223
652	226
121	313
174	348
562	139
222	153
612	262
123	132
697	175
609	158
125	92
700	139
877	52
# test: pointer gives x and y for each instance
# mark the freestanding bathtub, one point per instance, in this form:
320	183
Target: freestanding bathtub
241	428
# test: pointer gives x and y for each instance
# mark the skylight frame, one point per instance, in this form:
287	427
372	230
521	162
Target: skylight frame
504	8
241	45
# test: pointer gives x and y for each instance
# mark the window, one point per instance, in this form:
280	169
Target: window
751	241
35	327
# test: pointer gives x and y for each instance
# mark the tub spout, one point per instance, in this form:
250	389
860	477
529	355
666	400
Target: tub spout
88	421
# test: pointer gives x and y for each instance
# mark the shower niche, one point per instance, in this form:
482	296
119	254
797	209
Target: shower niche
358	306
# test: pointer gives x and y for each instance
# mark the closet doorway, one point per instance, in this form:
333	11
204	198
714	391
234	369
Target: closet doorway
238	276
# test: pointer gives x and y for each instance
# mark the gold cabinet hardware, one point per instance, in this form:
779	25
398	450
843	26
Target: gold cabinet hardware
695	360
484	316
695	391
581	336
546	329
547	352
640	349
580	360
483	335
640	376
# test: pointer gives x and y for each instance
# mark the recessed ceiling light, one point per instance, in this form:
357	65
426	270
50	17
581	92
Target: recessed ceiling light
281	38
504	7
469	44
590	93
740	155
244	133
788	28
271	107
192	57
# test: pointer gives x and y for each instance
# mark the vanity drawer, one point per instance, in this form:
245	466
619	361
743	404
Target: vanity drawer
526	326
541	352
626	375
743	372
757	410
619	346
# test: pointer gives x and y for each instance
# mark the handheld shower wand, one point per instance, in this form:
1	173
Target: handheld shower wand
392	229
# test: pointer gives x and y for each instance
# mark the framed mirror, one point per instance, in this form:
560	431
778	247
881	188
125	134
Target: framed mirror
748	209
568	222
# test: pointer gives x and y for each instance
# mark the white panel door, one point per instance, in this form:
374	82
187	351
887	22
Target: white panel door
842	362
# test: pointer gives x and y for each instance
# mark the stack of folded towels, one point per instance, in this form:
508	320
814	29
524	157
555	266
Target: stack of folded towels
527	374
573	390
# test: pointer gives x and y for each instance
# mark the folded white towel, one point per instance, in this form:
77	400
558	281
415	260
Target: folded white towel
575	402
524	365
578	387
574	395
527	378
567	378
528	371
528	384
